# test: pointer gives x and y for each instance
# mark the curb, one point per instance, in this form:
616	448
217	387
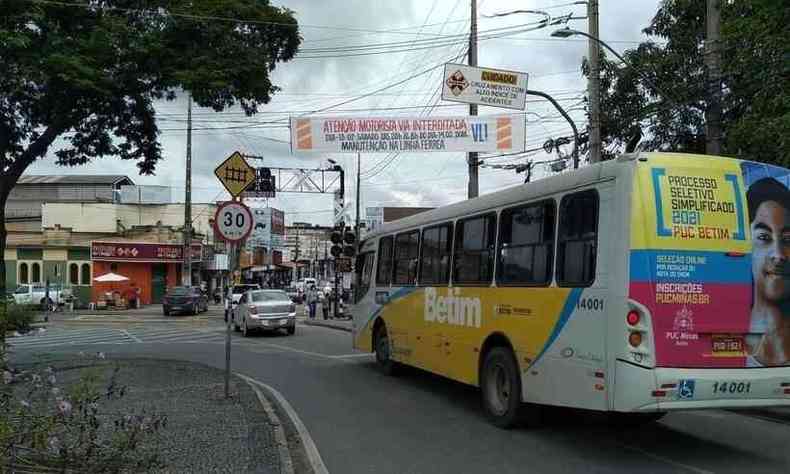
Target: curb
133	321
286	463
329	325
313	456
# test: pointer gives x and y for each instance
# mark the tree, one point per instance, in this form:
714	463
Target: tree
661	92
88	73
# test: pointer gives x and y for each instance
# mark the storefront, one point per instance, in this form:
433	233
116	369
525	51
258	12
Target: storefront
151	267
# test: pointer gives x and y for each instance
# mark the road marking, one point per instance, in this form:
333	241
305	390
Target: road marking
130	336
313	456
351	356
664	459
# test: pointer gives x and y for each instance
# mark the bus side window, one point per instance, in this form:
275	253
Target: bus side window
407	250
384	271
474	250
577	239
526	244
435	254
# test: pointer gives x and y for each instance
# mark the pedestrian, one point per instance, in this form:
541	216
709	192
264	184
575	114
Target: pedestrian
312	300
326	304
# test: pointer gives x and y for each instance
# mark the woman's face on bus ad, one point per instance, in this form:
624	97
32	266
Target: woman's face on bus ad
771	252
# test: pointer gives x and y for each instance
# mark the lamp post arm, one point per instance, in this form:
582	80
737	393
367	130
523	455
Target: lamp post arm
567	117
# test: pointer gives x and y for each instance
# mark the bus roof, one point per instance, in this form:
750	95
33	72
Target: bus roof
522	192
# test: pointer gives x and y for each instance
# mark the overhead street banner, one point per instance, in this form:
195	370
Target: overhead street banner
488	134
484	86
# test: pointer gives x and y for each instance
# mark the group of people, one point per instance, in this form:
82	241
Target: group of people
312	297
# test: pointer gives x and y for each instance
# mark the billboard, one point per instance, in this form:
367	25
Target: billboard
484	86
488	134
269	228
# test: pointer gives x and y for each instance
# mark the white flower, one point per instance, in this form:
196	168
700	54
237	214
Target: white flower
8	377
64	407
53	444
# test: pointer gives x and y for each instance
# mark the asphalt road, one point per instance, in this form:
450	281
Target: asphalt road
365	422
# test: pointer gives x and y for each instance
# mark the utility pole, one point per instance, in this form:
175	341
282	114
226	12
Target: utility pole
471	157
186	277
594	82
713	64
356	223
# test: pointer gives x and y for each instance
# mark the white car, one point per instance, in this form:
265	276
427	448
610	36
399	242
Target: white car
35	294
265	310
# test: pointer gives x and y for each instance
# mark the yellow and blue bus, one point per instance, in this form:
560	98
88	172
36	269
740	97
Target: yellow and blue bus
645	284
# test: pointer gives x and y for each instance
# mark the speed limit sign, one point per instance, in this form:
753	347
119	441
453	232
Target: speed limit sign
233	221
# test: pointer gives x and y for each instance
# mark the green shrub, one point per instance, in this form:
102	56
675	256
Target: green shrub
17	317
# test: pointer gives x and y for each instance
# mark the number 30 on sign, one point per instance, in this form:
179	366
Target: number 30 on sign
233	221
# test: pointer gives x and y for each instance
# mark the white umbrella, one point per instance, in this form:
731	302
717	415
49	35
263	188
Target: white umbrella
110	277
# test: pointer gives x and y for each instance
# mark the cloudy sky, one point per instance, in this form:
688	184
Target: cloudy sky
319	79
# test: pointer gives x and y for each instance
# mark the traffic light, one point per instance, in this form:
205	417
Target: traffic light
343	242
337	241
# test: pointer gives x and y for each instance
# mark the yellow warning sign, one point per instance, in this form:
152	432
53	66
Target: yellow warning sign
235	174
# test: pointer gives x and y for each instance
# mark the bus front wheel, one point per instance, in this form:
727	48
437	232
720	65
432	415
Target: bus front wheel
383	354
500	385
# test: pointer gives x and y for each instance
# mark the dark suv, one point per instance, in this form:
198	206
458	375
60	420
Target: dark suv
184	299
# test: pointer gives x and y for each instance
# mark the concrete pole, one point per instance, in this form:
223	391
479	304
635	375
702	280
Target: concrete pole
594	83
471	157
713	65
186	276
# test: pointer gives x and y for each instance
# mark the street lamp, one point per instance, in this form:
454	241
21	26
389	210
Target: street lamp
568	32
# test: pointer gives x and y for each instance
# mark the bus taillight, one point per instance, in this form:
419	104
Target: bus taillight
632	318
635	339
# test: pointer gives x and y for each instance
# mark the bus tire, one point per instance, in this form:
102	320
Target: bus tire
500	387
382	347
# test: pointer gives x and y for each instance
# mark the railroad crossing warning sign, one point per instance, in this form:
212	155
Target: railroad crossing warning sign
235	174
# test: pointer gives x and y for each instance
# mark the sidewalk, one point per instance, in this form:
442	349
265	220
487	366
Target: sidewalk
204	431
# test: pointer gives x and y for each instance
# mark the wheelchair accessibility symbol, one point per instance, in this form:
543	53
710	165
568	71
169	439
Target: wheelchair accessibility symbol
686	389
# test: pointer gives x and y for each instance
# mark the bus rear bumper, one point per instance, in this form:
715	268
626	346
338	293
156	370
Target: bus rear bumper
640	389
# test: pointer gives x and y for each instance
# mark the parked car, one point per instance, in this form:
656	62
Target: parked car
184	299
266	310
36	294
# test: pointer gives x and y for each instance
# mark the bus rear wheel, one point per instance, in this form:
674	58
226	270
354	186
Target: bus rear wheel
500	386
383	354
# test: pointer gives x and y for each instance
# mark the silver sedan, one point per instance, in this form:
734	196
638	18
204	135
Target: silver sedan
268	310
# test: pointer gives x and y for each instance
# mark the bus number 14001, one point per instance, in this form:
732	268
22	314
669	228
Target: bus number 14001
590	304
731	387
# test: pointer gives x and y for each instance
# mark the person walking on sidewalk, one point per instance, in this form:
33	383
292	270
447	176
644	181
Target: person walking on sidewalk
312	300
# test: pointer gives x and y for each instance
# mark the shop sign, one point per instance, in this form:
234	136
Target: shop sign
141	252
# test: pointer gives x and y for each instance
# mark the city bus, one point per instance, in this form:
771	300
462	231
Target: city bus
646	284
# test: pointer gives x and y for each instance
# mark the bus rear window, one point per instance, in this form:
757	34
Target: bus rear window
577	239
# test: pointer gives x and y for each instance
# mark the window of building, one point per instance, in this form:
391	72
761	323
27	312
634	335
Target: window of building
74	274
35	272
407	252
85	274
436	252
577	239
384	271
526	244
24	276
473	261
